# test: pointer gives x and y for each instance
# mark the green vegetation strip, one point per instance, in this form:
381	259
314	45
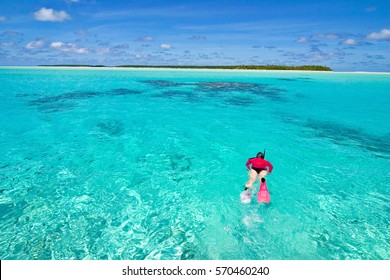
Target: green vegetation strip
233	67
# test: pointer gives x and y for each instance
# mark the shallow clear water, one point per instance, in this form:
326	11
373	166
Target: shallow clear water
147	164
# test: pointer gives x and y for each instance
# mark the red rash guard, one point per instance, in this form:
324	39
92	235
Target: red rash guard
259	163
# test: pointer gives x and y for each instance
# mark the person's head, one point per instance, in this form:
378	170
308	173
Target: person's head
260	155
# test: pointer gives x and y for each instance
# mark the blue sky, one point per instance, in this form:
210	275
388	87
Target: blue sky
346	35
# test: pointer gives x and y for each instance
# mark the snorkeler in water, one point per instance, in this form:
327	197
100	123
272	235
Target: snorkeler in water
257	168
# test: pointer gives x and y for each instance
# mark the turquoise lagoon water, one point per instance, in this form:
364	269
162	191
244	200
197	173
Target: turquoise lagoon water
149	164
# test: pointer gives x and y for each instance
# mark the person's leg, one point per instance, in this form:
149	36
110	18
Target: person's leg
262	174
252	178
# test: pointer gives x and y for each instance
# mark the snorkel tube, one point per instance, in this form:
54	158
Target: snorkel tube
261	155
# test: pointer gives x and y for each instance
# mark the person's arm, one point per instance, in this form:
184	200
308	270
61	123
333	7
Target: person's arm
248	164
269	167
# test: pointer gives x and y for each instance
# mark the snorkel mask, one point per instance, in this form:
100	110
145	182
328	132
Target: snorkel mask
260	155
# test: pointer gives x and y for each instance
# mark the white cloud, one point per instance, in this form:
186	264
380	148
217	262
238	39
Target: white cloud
166	46
145	39
2	18
198	37
122	46
350	42
72	48
326	36
302	40
7	44
80	32
45	14
56	44
384	34
103	51
35	44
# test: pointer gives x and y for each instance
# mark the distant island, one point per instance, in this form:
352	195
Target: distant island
70	65
232	67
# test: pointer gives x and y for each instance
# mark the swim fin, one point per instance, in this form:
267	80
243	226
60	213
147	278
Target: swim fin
245	196
263	195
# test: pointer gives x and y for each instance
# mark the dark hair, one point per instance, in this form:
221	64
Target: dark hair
260	155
